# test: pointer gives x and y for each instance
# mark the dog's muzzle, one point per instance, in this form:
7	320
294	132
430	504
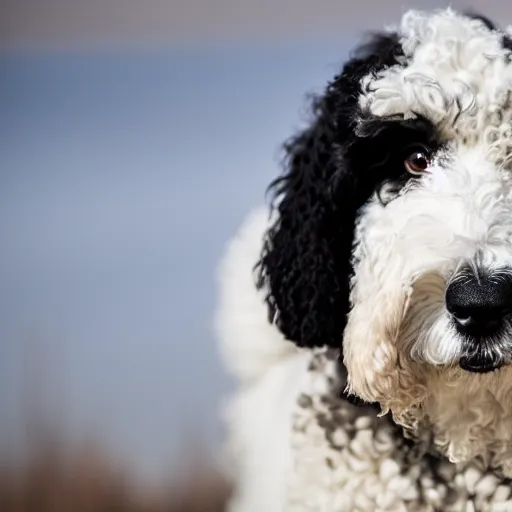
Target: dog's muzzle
480	305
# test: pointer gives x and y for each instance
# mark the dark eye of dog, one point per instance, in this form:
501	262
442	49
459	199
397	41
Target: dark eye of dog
417	161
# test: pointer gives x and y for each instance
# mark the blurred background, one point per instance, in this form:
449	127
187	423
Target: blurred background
134	139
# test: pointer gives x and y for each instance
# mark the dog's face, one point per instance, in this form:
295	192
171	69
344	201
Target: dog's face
394	233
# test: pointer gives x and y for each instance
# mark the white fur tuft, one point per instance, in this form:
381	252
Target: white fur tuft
249	343
258	417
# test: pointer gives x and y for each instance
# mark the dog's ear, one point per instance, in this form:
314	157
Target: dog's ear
305	265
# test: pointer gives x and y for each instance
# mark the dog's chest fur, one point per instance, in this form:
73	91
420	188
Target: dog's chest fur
349	459
471	416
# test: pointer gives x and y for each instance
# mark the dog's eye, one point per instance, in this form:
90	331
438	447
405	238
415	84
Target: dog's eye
417	161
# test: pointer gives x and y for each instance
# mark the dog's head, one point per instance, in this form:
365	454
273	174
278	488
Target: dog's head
393	237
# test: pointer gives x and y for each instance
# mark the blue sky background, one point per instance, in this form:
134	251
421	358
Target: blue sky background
122	176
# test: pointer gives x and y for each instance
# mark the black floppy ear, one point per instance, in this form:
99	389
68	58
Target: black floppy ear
305	264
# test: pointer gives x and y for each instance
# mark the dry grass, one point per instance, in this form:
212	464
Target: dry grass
55	480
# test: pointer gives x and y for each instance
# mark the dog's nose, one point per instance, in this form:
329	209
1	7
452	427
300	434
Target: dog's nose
479	303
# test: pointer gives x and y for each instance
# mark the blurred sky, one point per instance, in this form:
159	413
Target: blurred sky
133	143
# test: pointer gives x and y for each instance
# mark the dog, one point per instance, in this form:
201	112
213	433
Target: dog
367	311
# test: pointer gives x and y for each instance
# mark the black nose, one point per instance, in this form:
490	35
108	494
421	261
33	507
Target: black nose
479	303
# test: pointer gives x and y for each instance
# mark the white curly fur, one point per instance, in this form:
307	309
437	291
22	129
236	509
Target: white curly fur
457	76
399	346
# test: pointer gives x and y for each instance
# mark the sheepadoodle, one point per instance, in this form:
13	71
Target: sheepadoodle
367	312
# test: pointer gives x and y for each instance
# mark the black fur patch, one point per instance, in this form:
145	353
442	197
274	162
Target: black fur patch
480	17
507	44
305	262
